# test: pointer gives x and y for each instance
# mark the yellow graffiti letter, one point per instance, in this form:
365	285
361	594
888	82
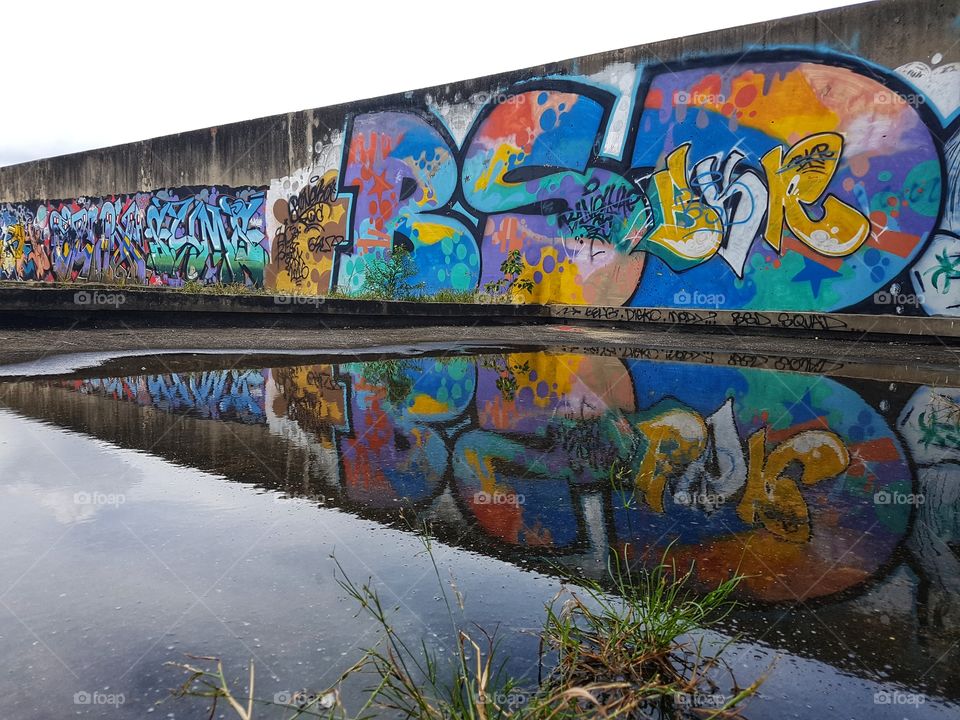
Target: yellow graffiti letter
801	178
688	230
771	497
685	434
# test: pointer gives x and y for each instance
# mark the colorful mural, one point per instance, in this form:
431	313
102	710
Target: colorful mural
233	395
793	478
166	237
784	180
787	180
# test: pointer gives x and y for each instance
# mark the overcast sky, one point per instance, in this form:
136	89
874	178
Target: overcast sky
86	75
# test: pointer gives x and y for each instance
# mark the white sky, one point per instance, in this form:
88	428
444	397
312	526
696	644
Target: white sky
92	74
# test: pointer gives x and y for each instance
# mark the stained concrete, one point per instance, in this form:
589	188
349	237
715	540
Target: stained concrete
28	351
69	306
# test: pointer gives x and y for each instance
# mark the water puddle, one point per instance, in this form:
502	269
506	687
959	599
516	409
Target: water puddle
191	504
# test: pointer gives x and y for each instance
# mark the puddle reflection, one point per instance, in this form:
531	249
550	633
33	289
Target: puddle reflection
830	495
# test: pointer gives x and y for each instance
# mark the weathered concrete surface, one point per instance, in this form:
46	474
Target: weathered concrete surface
37	302
246	153
39	305
26	352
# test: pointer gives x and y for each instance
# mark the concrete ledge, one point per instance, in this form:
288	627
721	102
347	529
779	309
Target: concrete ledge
773	320
46	305
26	305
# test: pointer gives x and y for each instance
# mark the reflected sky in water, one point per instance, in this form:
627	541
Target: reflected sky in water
151	513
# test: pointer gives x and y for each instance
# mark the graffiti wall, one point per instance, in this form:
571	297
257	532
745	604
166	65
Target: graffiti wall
790	179
166	237
774	181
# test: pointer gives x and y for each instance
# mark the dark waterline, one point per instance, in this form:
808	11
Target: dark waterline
125	543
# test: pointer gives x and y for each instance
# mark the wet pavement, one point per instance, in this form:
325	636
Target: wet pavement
39	350
158	505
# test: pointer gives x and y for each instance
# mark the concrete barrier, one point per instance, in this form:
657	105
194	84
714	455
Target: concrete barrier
761	177
106	305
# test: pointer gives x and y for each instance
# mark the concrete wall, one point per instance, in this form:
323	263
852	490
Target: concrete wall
807	164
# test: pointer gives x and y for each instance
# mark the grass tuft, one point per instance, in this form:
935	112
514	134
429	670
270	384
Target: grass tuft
626	654
195	286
